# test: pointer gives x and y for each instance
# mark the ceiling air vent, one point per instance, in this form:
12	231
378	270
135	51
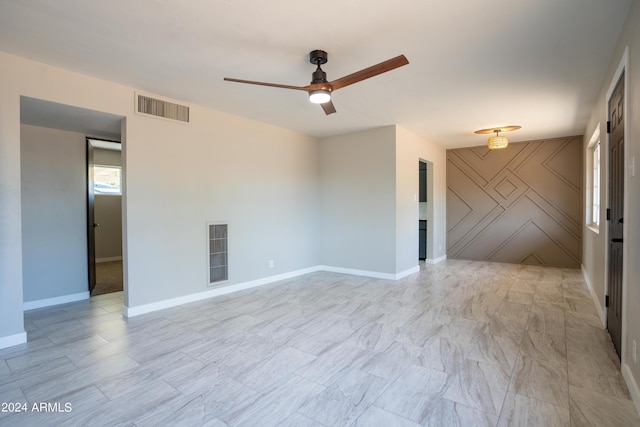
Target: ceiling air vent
160	108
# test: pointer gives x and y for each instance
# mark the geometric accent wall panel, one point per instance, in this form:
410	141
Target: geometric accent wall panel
520	205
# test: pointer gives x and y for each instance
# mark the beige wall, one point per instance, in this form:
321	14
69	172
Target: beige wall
11	289
369	200
54	215
519	205
594	248
357	201
410	149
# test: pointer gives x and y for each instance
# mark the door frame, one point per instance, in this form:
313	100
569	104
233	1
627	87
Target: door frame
91	225
622	69
430	211
91	241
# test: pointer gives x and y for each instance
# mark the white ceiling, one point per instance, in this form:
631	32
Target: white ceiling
473	64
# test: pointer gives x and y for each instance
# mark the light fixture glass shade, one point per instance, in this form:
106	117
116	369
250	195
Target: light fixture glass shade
319	96
497	142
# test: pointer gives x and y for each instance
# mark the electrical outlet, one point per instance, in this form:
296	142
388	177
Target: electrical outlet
634	352
270	263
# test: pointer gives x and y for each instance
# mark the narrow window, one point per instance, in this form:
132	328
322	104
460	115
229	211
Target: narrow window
592	169
595	217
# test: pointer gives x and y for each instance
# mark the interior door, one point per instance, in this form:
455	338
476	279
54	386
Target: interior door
614	216
91	225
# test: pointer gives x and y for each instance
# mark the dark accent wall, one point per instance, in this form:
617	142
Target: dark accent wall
519	205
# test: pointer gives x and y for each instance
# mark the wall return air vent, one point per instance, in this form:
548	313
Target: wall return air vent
161	108
218	253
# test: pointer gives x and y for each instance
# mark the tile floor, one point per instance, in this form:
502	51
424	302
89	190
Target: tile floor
459	344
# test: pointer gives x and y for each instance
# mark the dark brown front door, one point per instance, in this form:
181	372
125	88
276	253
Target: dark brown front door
615	215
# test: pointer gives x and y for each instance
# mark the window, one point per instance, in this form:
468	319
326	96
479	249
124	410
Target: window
107	180
595	216
593	182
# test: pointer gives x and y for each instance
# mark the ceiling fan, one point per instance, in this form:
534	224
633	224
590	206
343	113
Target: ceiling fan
320	89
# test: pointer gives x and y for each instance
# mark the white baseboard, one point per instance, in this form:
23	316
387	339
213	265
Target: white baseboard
367	273
634	390
594	297
47	302
161	305
408	272
435	260
11	340
108	259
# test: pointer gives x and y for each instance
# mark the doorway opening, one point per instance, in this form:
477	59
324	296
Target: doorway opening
425	211
54	197
104	216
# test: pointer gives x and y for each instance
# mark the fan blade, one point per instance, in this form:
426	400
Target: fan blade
328	107
305	88
372	71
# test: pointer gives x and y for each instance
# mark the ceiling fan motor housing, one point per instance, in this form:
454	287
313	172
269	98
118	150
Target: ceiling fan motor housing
319	76
318	57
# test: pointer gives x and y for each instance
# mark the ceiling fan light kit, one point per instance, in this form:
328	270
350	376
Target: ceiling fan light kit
320	89
497	142
319	96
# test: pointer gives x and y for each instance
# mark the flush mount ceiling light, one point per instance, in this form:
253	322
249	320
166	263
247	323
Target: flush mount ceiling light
497	142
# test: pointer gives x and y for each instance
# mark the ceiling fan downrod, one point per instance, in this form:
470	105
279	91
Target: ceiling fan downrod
318	57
